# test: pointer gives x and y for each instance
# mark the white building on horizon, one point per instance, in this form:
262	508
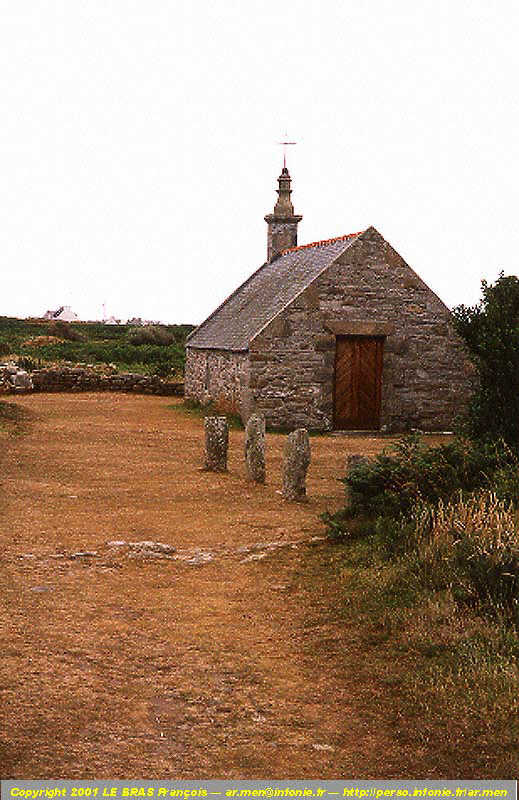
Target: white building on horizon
63	313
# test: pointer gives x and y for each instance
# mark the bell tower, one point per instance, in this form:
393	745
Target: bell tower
282	224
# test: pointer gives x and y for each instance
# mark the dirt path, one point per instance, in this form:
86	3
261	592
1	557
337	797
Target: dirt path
218	663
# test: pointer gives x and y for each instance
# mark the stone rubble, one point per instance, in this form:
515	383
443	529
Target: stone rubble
193	557
14	380
152	547
84	554
254	557
200	557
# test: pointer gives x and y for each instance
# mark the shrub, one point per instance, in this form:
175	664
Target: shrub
151	334
5	348
97	344
491	330
393	483
163	368
63	330
28	364
144	358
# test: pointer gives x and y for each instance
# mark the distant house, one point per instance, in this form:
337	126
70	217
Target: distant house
63	313
339	333
112	321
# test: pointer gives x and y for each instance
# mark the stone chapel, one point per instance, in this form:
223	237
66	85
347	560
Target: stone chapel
337	334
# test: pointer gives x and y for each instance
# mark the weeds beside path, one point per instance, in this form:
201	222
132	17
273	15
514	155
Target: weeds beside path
119	666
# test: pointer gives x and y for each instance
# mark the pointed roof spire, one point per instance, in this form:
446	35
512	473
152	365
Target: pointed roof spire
282	223
284	207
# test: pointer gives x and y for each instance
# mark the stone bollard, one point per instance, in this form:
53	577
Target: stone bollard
216	443
296	462
255	448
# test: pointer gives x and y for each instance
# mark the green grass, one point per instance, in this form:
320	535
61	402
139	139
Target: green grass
449	675
194	410
99	344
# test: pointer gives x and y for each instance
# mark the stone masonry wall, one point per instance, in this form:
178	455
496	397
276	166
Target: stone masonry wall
71	379
220	376
426	376
280	235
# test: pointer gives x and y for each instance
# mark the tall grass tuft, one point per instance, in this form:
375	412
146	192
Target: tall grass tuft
471	546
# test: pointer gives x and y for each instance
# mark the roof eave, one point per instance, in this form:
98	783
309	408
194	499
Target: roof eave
222	349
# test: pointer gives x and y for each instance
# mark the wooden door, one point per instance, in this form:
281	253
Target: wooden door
358	382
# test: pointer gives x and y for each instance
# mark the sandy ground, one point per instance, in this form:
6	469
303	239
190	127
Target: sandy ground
215	663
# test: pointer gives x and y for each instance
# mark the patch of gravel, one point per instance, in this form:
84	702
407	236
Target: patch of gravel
147	546
149	549
84	554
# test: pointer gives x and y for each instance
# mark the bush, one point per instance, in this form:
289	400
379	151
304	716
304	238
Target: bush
63	330
446	515
28	364
128	357
96	343
491	330
151	334
5	348
393	483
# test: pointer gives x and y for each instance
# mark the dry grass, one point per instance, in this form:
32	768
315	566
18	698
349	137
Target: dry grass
470	546
13	419
455	672
42	341
483	517
117	667
301	664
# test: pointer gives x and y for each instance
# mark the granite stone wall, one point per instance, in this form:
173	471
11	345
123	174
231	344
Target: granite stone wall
218	376
427	375
78	379
280	236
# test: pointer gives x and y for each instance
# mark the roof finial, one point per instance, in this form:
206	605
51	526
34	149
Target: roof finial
285	143
282	230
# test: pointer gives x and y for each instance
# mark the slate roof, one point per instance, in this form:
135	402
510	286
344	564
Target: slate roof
268	290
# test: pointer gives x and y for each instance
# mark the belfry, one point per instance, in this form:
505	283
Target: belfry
282	224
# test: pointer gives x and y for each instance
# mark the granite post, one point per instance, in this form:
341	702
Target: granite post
295	466
255	448
216	443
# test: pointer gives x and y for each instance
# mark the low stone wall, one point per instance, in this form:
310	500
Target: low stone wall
76	379
14	380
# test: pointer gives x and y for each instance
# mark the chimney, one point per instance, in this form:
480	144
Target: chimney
282	224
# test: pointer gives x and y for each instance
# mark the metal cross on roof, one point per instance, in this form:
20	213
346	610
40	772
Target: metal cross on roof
284	144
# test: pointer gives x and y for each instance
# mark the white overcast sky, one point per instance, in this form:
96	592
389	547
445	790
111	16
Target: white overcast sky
138	146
